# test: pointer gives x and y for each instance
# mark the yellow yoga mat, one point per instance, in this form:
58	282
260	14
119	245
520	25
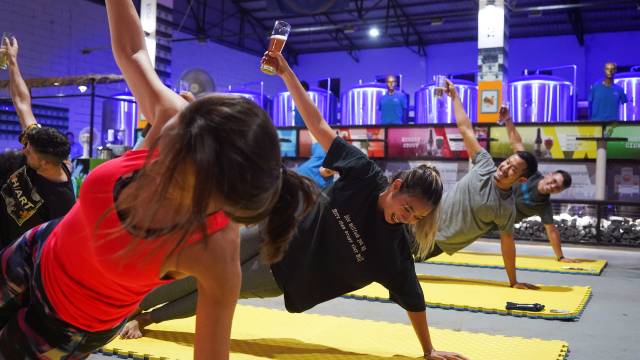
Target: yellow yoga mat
531	263
487	296
260	333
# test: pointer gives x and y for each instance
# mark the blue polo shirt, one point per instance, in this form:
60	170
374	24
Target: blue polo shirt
311	167
392	107
605	101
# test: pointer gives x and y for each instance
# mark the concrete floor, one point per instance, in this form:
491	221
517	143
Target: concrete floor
608	329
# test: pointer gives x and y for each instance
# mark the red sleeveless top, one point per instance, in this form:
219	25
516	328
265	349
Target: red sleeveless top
90	284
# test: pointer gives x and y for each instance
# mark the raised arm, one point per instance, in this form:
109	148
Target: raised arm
308	110
462	121
514	136
18	88
157	103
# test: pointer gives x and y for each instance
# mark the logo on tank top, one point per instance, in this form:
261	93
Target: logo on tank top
20	197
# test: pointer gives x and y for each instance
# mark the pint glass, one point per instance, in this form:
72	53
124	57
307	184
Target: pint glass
440	84
4	58
276	43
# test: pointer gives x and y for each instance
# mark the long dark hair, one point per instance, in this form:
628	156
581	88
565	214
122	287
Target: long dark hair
423	182
223	150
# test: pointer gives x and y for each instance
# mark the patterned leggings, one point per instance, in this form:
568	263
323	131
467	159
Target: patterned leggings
29	326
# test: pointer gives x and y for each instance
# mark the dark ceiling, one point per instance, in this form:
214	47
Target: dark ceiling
246	24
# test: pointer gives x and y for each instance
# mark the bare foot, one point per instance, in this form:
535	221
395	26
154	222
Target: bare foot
133	329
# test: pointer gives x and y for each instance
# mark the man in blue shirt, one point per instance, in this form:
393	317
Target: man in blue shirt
393	104
606	97
297	119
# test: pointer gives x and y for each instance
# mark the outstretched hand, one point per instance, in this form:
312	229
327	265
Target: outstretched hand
450	89
281	64
524	286
444	355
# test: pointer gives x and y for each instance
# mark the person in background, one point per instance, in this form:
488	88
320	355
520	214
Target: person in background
482	199
76	148
605	97
41	188
314	170
533	197
393	104
297	119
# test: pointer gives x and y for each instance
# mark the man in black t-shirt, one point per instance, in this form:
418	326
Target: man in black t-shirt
40	188
533	198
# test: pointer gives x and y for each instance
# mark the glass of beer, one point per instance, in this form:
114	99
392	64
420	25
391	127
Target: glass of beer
279	37
4	57
440	84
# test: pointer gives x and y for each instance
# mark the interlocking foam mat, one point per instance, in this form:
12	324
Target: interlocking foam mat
260	333
487	296
530	263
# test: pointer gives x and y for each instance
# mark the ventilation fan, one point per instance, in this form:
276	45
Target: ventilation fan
197	81
84	138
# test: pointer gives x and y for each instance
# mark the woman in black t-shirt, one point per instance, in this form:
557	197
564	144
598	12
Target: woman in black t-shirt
357	233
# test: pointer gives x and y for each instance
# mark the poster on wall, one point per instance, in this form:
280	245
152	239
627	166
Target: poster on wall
583	179
369	140
549	141
437	142
288	143
629	149
623	181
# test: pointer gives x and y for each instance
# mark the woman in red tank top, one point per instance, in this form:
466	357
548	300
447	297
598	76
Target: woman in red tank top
153	215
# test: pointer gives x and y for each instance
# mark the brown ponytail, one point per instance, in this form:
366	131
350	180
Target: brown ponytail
297	195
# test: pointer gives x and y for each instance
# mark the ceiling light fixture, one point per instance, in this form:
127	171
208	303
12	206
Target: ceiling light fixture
374	32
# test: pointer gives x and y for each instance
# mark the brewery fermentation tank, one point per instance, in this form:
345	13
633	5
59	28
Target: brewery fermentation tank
630	82
360	104
431	109
257	97
541	99
283	106
119	120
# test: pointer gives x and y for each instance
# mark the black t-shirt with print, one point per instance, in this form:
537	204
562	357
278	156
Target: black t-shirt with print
344	243
28	199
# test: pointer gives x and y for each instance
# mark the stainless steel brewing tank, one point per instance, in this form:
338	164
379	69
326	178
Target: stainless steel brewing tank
431	109
283	106
119	120
630	82
260	99
540	99
360	104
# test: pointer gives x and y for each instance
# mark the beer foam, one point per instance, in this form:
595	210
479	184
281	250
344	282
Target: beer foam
279	37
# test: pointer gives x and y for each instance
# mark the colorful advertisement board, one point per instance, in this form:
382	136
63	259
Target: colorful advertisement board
629	149
450	171
436	142
369	140
288	142
549	141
